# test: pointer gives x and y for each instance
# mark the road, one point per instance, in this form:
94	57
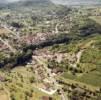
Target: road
78	56
8	45
80	52
56	28
14	33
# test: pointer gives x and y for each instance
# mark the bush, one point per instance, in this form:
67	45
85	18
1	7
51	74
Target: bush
32	79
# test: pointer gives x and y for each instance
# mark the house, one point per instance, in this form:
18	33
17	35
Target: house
46	98
57	70
47	86
2	79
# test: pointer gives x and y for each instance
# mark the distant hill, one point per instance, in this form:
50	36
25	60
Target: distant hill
31	3
78	2
3	3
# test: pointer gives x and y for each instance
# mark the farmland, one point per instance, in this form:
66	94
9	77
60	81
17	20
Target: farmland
50	51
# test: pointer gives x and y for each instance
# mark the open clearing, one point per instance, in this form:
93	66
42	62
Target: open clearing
96	18
3	96
3	31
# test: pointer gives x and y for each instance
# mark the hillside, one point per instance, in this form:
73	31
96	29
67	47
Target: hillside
50	52
30	3
77	2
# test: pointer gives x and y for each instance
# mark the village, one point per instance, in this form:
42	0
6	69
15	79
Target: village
42	55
